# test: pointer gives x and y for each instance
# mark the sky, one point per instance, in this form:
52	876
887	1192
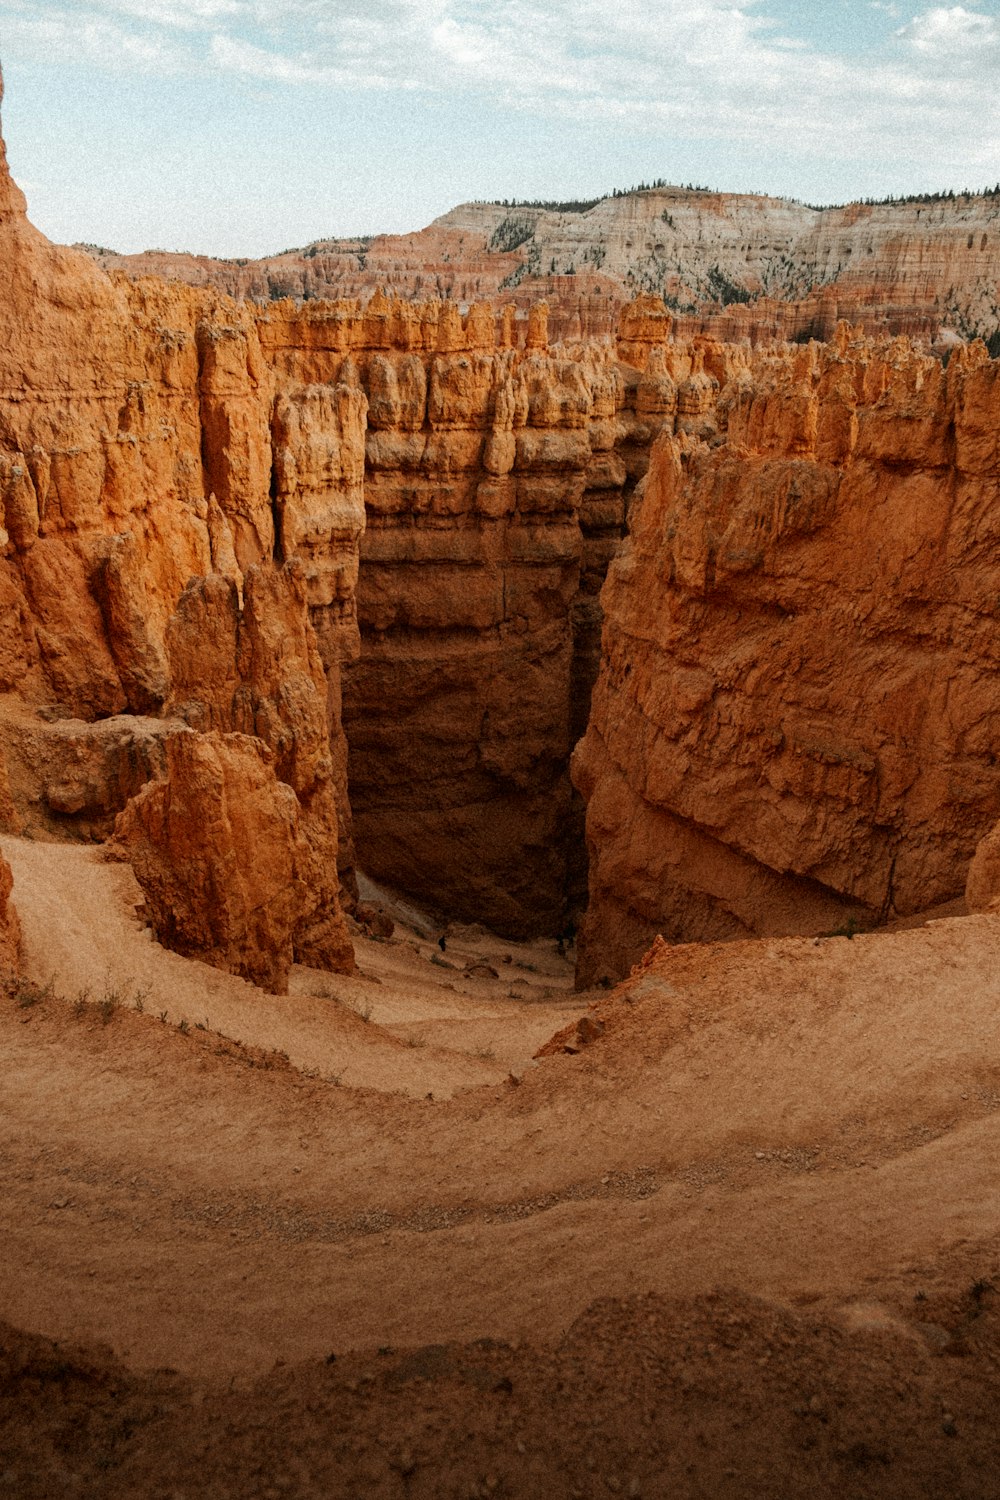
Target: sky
242	127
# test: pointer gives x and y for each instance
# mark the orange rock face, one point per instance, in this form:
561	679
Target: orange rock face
10	927
982	888
145	442
796	723
256	670
218	850
495	483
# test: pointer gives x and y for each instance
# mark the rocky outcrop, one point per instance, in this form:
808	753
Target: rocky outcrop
255	669
145	442
796	724
982	888
153	435
737	265
218	850
10	927
67	778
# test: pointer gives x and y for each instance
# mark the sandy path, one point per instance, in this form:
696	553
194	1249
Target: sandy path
803	1120
81	932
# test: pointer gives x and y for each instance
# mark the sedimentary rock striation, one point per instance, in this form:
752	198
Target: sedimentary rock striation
152	435
144	442
796	724
490	485
496	485
738	265
385	526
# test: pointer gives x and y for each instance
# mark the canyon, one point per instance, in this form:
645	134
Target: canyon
500	875
803	733
402	518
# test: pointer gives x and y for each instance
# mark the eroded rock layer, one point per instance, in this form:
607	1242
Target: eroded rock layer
144	442
796	724
497	479
793	726
736	264
218	849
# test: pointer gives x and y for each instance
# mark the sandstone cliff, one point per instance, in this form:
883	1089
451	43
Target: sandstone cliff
218	850
186	485
143	444
795	726
494	495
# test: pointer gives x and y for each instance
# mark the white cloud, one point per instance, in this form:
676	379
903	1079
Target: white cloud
949	31
54	34
187	15
697	68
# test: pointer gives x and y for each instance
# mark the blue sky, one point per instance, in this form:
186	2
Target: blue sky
244	126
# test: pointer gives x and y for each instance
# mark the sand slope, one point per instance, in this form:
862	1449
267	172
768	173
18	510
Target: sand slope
808	1124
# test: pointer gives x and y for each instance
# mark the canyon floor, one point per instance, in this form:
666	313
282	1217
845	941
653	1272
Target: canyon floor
741	1240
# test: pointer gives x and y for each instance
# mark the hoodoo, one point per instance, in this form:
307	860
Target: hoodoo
793	725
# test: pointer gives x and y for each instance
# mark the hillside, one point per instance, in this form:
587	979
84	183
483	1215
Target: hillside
740	1240
738	264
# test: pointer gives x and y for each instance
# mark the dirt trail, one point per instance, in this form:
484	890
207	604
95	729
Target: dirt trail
433	1029
814	1123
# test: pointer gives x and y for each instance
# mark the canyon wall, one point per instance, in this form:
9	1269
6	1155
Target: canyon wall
497	479
733	264
796	726
494	495
167	455
793	727
139	424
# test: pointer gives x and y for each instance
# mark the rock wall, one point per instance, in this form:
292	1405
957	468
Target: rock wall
497	479
154	434
145	442
796	724
793	726
492	485
218	849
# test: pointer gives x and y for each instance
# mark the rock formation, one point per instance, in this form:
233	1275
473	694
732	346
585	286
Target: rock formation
67	778
495	492
737	265
218	850
256	670
144	443
10	928
795	725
